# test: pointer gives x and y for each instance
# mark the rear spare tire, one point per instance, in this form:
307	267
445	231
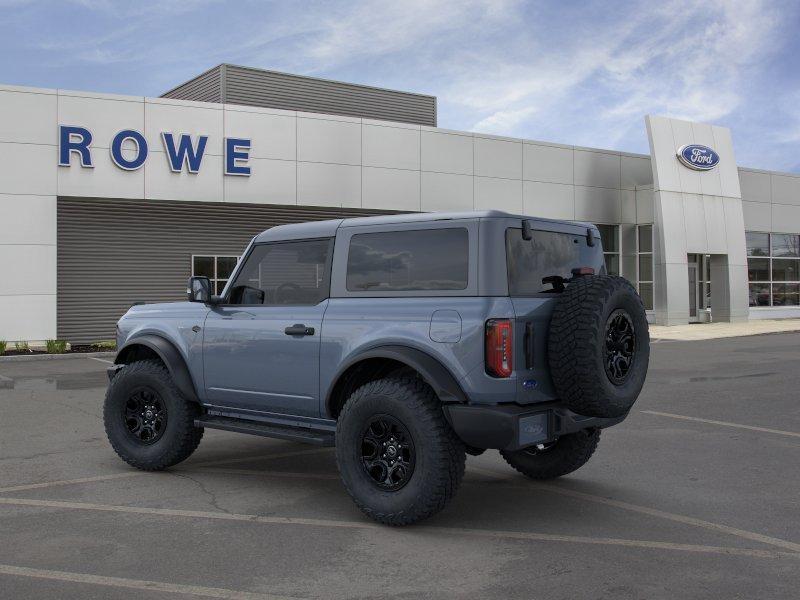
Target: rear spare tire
599	346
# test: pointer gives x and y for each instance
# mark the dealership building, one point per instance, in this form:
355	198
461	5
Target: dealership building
107	200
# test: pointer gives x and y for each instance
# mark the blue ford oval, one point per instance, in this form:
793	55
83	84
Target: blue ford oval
698	157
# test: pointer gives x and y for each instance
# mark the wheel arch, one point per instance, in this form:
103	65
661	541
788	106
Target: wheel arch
381	358
155	346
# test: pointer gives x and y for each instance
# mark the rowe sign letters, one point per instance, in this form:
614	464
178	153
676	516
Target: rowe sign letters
181	151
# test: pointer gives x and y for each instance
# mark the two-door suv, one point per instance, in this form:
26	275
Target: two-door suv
406	341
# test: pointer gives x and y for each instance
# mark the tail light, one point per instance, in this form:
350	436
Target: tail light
499	348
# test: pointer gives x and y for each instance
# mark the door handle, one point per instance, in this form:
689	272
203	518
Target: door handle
299	329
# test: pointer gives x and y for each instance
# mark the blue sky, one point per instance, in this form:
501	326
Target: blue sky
579	73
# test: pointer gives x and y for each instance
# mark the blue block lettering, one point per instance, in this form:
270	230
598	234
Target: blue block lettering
141	150
185	153
74	139
237	151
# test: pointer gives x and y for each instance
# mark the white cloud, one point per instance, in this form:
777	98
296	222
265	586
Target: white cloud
670	60
568	72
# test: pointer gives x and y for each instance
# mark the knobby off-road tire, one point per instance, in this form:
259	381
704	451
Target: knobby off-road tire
599	346
567	454
398	416
164	439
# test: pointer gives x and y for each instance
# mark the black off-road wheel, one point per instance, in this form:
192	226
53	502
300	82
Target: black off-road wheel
599	346
398	457
148	422
548	461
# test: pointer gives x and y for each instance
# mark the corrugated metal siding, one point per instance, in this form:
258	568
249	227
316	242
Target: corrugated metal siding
206	87
270	89
112	253
290	92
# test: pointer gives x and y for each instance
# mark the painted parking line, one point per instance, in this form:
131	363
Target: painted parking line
653	512
364	525
285	474
722	423
126	474
102	360
136	584
47	484
741	533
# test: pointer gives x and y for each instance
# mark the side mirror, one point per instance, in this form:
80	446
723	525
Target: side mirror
199	289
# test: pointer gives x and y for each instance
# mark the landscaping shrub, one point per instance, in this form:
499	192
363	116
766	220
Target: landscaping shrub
56	346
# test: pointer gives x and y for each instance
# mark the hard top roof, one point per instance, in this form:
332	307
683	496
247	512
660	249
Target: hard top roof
319	229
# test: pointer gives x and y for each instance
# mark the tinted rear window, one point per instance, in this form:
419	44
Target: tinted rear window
428	259
548	253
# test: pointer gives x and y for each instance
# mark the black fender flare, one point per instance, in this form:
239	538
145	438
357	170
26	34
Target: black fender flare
432	371
170	356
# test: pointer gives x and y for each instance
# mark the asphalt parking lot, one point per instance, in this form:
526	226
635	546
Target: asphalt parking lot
696	495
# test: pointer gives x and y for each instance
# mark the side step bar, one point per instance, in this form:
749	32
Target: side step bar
295	434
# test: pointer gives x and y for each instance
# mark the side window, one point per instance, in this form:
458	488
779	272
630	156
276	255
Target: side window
286	273
426	259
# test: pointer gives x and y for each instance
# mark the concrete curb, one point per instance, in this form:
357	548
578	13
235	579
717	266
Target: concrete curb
68	356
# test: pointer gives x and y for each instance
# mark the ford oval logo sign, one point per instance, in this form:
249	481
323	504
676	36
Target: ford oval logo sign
697	157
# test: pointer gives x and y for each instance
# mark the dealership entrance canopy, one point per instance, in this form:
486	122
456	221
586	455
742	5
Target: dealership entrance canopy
108	200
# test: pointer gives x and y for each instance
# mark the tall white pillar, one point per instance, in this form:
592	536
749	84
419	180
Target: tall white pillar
696	212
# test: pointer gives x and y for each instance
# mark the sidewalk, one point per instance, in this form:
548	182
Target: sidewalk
710	331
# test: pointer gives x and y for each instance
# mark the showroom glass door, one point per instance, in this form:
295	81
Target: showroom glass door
694	290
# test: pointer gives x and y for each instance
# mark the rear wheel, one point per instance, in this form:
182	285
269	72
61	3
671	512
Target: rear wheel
398	457
548	461
149	423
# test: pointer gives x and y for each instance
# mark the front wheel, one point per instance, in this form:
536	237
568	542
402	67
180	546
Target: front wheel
548	461
398	457
148	422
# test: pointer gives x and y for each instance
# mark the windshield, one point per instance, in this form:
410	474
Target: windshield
547	254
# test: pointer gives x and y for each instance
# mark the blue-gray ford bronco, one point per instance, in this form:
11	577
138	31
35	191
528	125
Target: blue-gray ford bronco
405	341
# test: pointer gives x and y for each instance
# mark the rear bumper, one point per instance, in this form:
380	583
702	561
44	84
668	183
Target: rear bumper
513	427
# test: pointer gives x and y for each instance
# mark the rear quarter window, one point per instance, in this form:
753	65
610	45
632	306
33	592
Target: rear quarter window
548	253
426	259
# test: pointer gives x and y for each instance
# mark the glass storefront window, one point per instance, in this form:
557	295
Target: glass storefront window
646	292
609	235
774	275
785	244
644	269
786	294
785	269
758	269
645	238
217	268
759	294
757	243
612	263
